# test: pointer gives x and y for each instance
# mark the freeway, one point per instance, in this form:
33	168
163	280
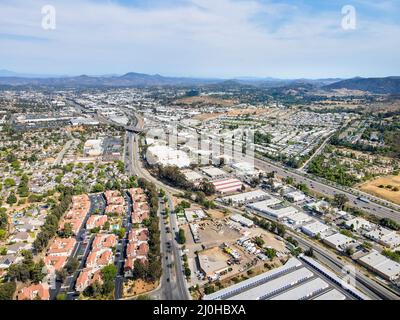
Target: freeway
319	187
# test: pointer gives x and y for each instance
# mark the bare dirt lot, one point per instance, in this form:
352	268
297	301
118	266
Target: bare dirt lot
233	113
136	287
206	100
373	188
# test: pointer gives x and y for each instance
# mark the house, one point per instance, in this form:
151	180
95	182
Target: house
34	292
6	261
87	277
96	221
20	237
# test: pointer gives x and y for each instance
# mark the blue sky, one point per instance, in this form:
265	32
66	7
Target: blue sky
205	38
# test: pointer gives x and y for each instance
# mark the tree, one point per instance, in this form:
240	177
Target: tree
12	199
108	273
340	200
7	290
181	236
61	275
309	252
72	265
259	241
270	253
67	230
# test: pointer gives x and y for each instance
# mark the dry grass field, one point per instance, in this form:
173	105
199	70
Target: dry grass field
373	188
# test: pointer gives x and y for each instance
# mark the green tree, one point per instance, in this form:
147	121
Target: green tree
12	199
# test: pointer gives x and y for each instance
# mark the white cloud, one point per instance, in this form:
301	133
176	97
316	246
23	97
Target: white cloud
203	37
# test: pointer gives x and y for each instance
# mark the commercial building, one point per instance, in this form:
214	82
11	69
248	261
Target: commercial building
242	220
339	241
246	197
378	263
192	176
295	196
277	211
264	206
386	237
93	148
194	214
298	218
212	262
315	228
358	223
227	185
214	173
167	156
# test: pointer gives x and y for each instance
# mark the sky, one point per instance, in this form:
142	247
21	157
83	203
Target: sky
202	38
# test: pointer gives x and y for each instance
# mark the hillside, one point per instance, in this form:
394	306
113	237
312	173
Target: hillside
388	85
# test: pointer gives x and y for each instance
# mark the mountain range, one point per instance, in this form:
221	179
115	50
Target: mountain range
387	85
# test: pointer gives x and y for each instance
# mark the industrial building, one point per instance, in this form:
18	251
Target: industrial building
339	241
245	198
167	156
296	280
227	185
242	220
214	173
386	268
316	228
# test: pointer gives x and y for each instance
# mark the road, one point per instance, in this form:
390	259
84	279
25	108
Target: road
177	280
372	207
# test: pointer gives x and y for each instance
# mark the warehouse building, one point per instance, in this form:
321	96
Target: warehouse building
246	197
316	228
242	220
339	241
167	156
378	263
227	185
214	173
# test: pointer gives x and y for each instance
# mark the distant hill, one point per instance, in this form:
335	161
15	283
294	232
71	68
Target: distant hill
388	85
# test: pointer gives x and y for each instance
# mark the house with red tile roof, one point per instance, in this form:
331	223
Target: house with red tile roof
99	258
87	277
129	264
34	292
61	247
104	241
96	221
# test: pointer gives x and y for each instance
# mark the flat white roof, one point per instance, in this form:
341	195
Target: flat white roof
192	175
299	217
246	196
331	295
315	227
228	292
213	171
339	239
382	264
303	291
284	282
241	219
265	204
